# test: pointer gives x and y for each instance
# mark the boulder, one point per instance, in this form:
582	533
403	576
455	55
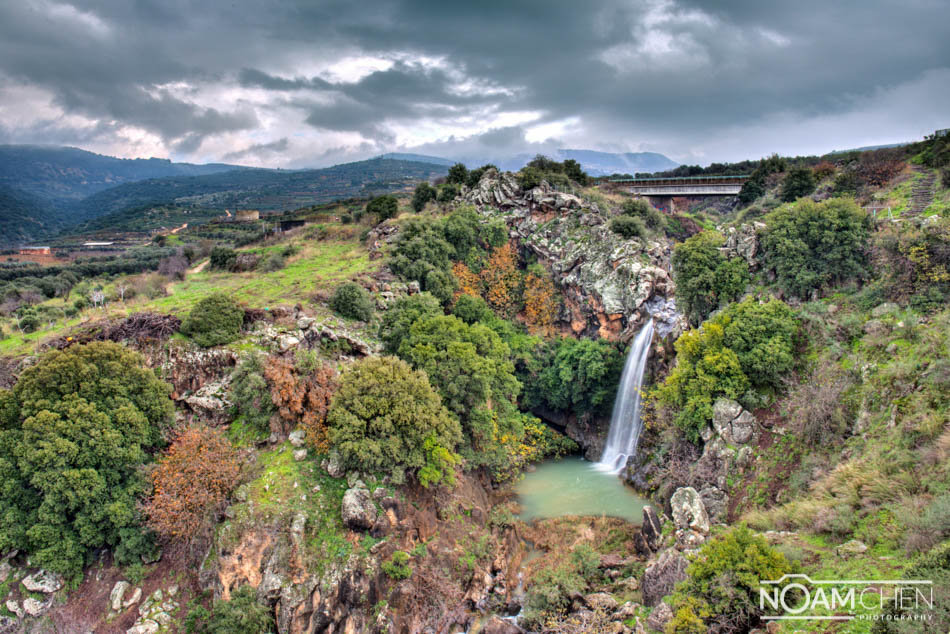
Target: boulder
304	323
15	608
662	574
34	607
716	502
297	437
359	512
287	342
661	615
300	454
743	427
211	402
853	547
601	600
43	581
732	423
498	625
117	595
334	467
134	598
689	512
147	626
652	528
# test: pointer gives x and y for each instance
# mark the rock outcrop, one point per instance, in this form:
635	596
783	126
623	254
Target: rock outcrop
611	285
359	512
690	517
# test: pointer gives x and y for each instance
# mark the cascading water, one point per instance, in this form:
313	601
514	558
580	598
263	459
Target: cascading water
625	423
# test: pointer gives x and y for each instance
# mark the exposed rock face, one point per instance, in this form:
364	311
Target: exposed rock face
662	574
611	285
690	517
734	425
359	512
211	402
662	615
743	243
43	581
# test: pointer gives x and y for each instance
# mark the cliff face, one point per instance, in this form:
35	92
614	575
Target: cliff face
611	285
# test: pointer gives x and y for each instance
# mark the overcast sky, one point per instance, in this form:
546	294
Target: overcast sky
316	82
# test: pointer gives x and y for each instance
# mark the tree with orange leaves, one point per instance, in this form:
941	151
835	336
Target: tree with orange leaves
469	282
540	303
191	482
301	397
502	280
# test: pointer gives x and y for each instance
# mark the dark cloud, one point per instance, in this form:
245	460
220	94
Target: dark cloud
258	149
683	77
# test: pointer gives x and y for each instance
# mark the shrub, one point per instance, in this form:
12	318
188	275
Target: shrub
640	208
302	397
250	392
447	193
74	432
398	566
930	527
423	193
423	254
351	300
191	482
383	207
934	566
705	278
242	614
405	312
471	309
458	174
382	415
470	368
217	319
529	177
722	583
628	227
222	258
502	281
820	408
800	181
574	375
273	261
747	345
809	245
541	303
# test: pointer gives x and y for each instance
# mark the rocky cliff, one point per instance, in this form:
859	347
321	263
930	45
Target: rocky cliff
611	285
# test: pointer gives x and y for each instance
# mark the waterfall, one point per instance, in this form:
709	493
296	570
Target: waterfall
625	421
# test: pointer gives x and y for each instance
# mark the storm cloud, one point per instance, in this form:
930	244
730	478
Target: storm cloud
304	83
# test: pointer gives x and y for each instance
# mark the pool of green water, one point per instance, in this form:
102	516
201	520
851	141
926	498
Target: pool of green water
573	486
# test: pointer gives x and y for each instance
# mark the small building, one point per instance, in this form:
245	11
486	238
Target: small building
248	215
943	132
97	245
35	251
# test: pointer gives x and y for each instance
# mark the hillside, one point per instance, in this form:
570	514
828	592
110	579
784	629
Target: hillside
24	216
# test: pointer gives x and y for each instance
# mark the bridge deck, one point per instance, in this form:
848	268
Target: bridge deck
686	190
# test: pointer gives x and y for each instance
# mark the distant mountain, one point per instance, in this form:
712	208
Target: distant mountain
606	163
594	163
868	148
63	174
419	158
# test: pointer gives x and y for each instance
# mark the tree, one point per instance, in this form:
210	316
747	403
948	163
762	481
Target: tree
469	283
540	303
799	182
420	251
447	193
403	313
222	258
810	245
574	172
705	278
250	392
722	582
471	369
74	432
502	281
383	414
575	375
191	482
471	309
747	345
351	300
628	227
458	174
422	194
384	207
302	396
215	320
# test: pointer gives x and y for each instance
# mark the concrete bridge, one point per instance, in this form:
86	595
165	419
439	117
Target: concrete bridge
682	185
662	191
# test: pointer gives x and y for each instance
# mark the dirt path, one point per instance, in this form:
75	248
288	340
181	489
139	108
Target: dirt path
199	268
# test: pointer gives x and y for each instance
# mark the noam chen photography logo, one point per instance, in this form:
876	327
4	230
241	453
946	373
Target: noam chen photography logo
797	597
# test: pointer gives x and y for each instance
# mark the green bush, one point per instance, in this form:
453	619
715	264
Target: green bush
640	208
217	319
574	375
273	261
705	278
470	368
423	193
420	251
628	227
458	174
250	392
935	567
402	314
351	300
748	345
242	614
398	566
222	258
382	415
383	207
722	582
75	431
472	309
529	177
810	245
447	193
800	181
